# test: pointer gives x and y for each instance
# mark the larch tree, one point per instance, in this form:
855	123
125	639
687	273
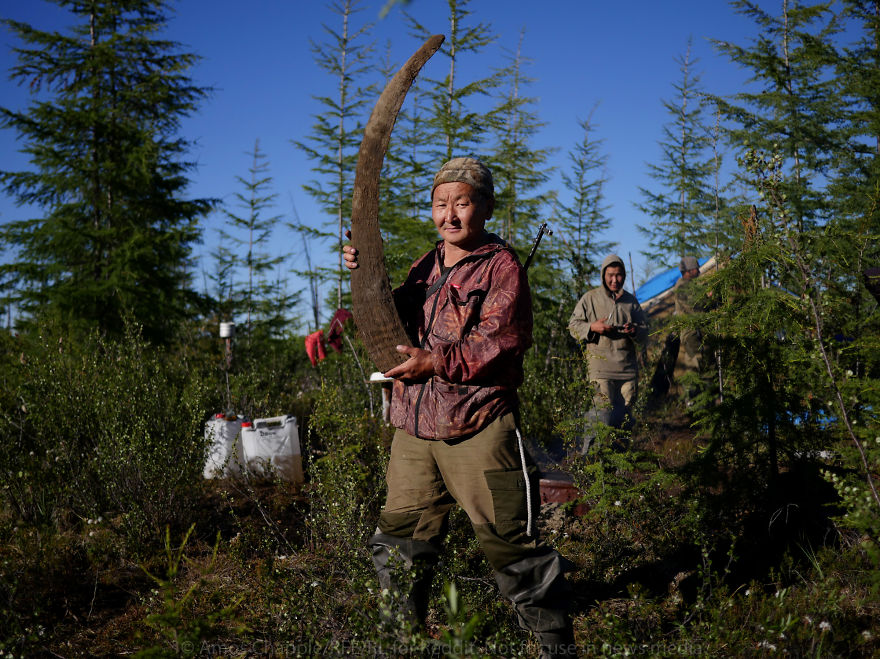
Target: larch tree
520	169
681	206
338	129
456	123
113	232
791	102
258	290
855	179
582	221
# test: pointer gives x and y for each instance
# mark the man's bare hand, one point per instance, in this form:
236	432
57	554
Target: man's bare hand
418	368
349	254
600	327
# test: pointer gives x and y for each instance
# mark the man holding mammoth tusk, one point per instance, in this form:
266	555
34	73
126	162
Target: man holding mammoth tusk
455	407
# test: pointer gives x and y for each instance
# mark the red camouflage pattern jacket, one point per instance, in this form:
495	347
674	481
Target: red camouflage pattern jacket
476	320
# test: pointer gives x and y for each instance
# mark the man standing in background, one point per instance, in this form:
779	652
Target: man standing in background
613	325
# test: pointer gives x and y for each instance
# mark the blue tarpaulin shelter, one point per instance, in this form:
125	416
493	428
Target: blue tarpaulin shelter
661	283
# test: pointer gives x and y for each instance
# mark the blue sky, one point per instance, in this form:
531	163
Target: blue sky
257	57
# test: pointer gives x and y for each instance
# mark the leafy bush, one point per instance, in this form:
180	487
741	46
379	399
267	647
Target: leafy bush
348	474
104	428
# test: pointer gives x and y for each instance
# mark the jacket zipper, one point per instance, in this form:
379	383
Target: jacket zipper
437	286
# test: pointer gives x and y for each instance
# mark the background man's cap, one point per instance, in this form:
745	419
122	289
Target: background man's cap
467	170
688	263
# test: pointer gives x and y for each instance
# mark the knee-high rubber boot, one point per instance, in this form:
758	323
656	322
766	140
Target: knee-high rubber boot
418	556
541	597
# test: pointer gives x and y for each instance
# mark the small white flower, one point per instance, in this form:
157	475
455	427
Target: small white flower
867	635
617	503
825	626
314	584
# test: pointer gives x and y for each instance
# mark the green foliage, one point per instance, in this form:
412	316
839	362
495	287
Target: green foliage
553	389
684	210
405	186
94	431
519	169
685	547
580	223
794	104
348	477
457	638
338	129
184	634
455	123
114	235
246	291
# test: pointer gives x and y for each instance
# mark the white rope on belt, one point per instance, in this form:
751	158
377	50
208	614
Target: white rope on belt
522	457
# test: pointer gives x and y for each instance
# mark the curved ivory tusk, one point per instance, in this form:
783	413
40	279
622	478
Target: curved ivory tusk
372	305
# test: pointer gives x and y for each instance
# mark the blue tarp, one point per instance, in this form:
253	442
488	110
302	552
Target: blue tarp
659	283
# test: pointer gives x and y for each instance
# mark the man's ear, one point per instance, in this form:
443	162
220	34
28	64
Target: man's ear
490	206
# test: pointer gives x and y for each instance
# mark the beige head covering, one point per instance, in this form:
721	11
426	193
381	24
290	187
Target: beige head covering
467	170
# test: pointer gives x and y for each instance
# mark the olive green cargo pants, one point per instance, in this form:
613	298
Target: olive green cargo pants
486	475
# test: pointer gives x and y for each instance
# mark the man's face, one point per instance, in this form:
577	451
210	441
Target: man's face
614	277
691	274
459	214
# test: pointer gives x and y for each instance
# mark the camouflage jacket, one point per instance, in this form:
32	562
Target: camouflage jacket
476	320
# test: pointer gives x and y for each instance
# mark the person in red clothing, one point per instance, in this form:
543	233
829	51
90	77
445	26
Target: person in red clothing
455	407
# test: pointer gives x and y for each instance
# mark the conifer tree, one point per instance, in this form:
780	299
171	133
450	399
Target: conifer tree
849	242
258	291
457	125
338	129
795	100
114	231
682	206
855	184
519	168
560	274
582	221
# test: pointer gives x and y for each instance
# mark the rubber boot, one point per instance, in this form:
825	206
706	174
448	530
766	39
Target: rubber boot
599	415
541	597
391	555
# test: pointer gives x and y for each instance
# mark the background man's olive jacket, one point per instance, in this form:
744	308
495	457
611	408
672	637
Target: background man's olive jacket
612	356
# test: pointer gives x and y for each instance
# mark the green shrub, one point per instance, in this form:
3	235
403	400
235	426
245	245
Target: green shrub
350	454
104	428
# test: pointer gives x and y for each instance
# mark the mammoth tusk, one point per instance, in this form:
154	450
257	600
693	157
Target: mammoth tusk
372	304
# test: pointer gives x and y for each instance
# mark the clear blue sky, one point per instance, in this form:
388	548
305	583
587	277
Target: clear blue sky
257	57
